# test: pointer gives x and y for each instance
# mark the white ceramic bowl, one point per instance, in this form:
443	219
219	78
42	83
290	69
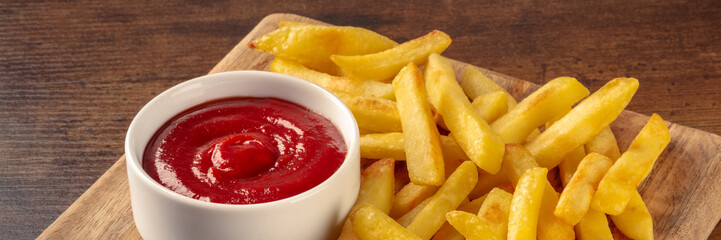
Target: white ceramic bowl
318	213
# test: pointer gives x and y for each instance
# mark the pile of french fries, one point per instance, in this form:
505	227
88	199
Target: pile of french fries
467	160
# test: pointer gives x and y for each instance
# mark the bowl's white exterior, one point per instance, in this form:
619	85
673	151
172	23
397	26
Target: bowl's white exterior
318	213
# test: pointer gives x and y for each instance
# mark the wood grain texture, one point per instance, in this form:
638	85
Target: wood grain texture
73	73
680	192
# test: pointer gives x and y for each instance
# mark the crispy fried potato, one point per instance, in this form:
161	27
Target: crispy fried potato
569	164
605	144
583	122
333	83
617	186
370	223
447	198
475	84
576	197
635	221
538	108
380	145
422	142
312	45
472	133
409	197
526	204
411	194
516	162
386	64
377	187
492	105
495	210
594	225
375	114
470	225
486	182
447	231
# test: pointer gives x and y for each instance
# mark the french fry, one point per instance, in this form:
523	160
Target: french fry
370	223
313	45
583	122
635	221
385	65
422	142
486	182
475	84
516	162
333	83
409	197
380	145
492	105
377	187
472	133
576	197
593	226
448	197
470	225
619	184
526	204
495	211
605	144
411	194
447	231
538	108
375	114
569	164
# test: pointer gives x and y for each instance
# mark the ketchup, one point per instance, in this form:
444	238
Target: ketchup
244	151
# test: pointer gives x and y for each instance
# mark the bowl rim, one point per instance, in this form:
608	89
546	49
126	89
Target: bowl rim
352	140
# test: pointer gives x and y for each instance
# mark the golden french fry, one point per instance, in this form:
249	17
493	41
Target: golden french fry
377	187
569	164
470	225
576	197
526	204
422	142
370	223
517	161
593	226
492	105
409	197
472	133
475	84
447	198
317	42
583	122
605	144
495	211
447	231
375	114
386	64
333	83
635	221
617	186
380	145
486	182
538	108
408	217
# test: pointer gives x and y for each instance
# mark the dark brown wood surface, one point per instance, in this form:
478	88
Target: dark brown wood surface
74	73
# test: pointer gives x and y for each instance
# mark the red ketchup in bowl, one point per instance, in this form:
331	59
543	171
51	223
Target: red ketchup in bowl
244	151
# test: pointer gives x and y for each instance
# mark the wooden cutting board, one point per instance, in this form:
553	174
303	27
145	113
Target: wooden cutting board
683	192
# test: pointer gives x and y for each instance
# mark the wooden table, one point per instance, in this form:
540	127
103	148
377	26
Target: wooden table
73	74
